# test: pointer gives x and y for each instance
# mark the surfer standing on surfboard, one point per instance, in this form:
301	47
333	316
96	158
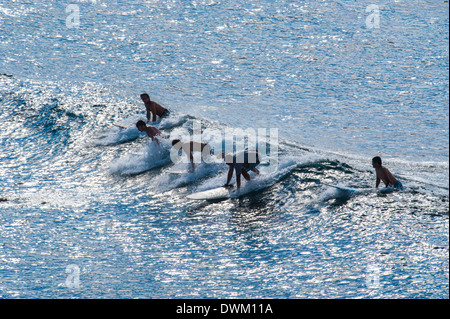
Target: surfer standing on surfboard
153	108
383	174
241	162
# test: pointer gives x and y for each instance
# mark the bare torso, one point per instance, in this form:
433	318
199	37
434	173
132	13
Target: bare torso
152	131
155	108
385	175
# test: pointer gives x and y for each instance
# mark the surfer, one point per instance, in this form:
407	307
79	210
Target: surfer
383	174
192	146
153	108
151	131
241	162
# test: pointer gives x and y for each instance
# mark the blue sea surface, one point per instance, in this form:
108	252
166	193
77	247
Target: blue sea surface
89	209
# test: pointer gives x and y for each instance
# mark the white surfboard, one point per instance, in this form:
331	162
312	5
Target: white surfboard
385	190
179	172
363	190
342	188
212	194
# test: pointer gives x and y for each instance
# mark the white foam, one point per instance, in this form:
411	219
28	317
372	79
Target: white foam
117	135
125	130
268	176
153	155
202	170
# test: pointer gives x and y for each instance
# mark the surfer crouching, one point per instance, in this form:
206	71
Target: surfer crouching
383	174
153	108
241	162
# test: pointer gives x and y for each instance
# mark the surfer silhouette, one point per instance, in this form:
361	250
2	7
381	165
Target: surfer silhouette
241	162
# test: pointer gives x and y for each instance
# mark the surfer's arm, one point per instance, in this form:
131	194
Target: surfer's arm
378	181
148	113
153	112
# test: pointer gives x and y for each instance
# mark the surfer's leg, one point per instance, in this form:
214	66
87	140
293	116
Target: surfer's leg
245	174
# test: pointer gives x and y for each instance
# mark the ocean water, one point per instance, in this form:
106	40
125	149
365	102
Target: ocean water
89	210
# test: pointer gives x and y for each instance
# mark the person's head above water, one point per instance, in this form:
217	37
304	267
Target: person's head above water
376	161
176	144
140	125
145	97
